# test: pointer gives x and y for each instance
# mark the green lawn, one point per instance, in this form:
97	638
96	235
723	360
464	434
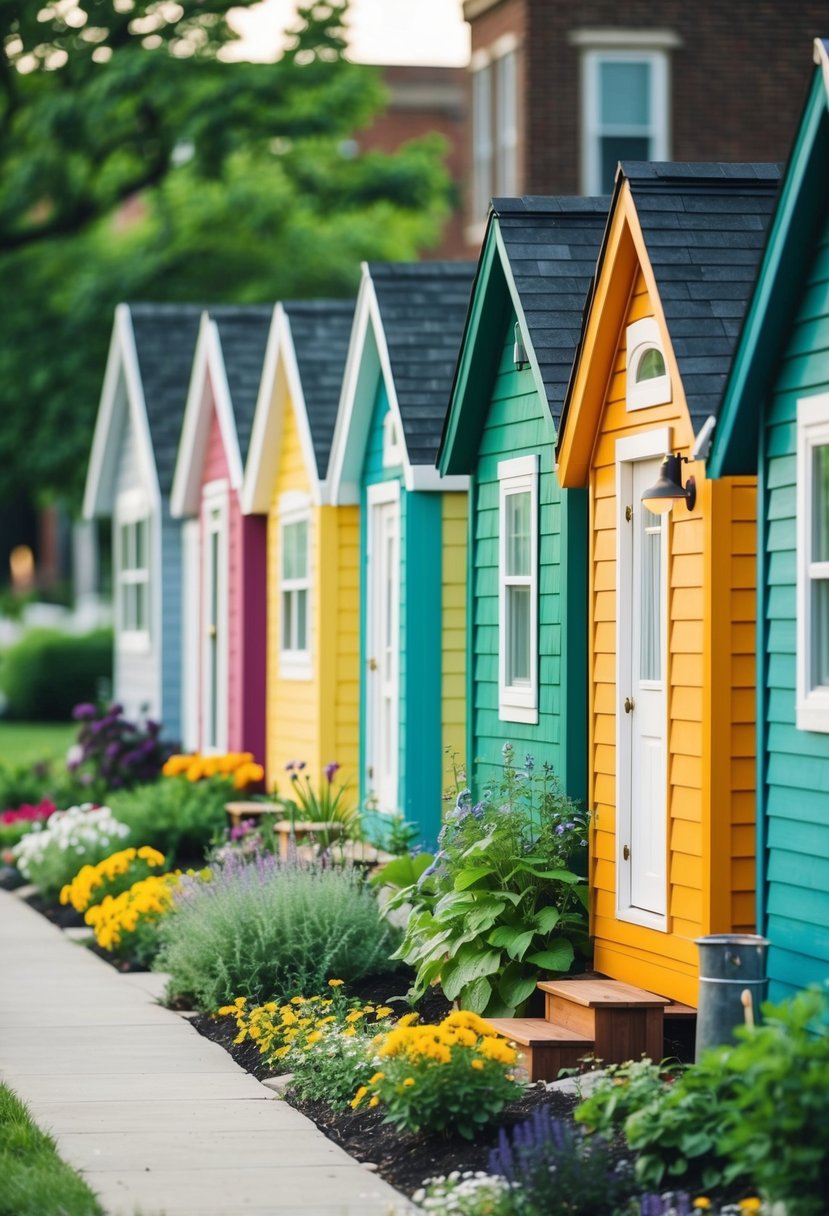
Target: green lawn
33	1179
27	742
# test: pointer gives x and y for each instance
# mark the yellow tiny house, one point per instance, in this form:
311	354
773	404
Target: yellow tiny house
672	592
312	547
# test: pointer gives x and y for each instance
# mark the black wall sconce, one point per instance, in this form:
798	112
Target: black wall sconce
668	487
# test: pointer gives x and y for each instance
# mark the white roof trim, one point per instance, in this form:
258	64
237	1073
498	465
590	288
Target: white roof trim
208	391
122	360
367	354
275	393
822	60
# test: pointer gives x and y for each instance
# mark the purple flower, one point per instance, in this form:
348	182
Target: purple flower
85	710
301	765
529	763
330	770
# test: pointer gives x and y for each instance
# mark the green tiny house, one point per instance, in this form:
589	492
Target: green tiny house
775	421
527	547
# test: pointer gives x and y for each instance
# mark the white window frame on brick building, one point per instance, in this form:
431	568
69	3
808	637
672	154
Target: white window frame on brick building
644	49
495	124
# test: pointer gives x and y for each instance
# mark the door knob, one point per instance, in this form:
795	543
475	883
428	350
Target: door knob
629	704
212	631
626	853
372	664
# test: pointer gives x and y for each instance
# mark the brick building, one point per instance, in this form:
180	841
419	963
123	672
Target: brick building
561	91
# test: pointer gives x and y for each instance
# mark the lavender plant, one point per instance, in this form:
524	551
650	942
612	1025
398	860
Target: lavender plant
503	902
271	930
555	1170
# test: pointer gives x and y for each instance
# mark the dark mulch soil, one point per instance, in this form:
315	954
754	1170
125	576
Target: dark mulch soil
120	964
64	917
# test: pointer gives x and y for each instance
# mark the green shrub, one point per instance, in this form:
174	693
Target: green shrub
178	817
622	1089
266	931
47	672
502	903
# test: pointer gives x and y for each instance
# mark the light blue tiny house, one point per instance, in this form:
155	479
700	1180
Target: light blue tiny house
412	537
129	480
775	422
527	617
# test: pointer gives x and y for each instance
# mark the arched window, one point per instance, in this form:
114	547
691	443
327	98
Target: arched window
648	381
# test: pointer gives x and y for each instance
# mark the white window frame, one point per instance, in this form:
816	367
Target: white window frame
657	131
131	510
295	508
518	703
392	441
812	703
215	512
643	336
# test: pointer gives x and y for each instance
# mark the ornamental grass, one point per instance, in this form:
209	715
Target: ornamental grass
111	876
456	1076
271	930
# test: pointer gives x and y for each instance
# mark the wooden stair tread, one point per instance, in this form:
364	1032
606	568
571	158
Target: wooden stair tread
677	1010
599	993
537	1032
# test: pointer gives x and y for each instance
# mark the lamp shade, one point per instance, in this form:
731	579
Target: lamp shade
668	487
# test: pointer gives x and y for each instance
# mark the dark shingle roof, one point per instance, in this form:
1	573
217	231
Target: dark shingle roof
423	307
552	245
704	227
321	330
243	332
165	340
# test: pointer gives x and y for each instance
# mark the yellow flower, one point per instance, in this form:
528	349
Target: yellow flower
703	1203
349	1032
378	1076
335	983
408	1019
358	1097
478	1065
752	1204
409	1082
240	1002
354	1015
383	1012
374	1101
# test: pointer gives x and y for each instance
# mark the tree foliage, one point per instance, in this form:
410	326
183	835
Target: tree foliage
136	163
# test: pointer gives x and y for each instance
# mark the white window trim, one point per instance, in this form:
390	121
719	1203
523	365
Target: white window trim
215	498
295	508
591	129
517	476
505	134
643	336
628	450
132	507
812	704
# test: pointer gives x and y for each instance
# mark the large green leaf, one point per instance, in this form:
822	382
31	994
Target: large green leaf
516	985
557	957
517	941
476	996
547	919
402	871
468	878
452	902
469	964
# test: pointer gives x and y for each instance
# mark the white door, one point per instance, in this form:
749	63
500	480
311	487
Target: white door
214	623
642	701
383	666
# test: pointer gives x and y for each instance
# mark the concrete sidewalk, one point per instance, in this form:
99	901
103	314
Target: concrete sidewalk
159	1120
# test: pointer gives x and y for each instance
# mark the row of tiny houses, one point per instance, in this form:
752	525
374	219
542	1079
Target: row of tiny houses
384	534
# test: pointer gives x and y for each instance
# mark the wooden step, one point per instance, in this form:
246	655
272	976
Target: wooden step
596	991
622	1021
545	1047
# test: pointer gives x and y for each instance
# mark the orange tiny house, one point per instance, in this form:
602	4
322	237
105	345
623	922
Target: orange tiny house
672	595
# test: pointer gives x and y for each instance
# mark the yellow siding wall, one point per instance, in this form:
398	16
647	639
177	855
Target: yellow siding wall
709	847
453	661
341	601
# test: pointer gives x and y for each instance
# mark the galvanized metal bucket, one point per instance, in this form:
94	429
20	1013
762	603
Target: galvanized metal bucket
732	985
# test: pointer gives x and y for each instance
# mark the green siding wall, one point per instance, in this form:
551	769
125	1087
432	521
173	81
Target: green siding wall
518	423
419	709
794	777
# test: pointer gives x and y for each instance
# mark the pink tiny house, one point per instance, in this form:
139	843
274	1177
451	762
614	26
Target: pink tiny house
224	591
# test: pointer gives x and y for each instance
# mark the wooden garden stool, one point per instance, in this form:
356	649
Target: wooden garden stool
302	831
238	811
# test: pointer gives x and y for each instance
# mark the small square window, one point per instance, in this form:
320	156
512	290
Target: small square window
624	112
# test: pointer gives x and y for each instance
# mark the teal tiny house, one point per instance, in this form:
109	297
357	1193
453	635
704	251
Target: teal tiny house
412	559
775	421
527	615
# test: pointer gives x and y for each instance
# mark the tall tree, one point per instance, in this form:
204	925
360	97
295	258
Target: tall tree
134	163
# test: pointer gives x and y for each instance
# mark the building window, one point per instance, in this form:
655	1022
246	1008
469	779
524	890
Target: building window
392	443
648	381
494	124
518	590
813	563
624	112
295	592
132	565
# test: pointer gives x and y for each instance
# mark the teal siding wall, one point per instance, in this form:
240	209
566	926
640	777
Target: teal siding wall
419	710
794	777
518	423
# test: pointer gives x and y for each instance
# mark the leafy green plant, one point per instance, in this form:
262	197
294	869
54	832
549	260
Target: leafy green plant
459	1074
52	856
45	673
35	1180
329	803
270	931
501	904
178	817
622	1089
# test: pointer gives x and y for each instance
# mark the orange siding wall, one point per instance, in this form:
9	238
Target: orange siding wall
709	856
